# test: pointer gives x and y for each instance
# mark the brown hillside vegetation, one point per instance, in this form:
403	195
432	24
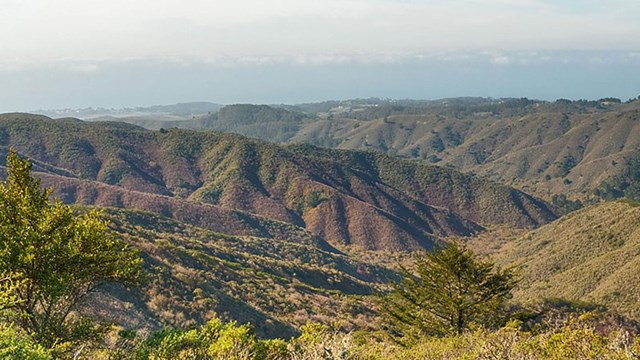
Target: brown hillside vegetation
347	198
208	216
195	274
592	255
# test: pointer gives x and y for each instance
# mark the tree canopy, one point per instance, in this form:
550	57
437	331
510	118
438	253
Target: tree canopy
52	258
447	290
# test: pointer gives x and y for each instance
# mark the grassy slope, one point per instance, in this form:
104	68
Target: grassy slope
592	254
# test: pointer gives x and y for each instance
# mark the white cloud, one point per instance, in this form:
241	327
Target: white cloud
501	60
311	31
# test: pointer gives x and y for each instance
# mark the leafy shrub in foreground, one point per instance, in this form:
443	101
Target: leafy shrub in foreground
15	345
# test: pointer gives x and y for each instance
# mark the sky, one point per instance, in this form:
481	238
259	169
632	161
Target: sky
116	53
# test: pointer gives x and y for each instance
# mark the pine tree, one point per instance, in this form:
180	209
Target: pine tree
448	290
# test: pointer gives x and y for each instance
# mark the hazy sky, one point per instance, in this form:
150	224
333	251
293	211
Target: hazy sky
72	53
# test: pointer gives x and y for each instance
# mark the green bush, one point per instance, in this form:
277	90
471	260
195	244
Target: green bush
17	346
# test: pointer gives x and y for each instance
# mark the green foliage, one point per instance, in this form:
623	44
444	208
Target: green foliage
565	166
313	333
626	184
565	203
261	121
272	349
575	337
220	340
57	257
18	346
446	292
318	341
9	296
214	340
314	199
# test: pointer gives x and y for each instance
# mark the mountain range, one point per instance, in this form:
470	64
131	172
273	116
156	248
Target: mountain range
544	148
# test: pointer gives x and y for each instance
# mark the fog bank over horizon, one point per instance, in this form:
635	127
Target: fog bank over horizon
269	80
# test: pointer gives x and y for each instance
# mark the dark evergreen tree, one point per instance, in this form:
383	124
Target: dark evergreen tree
447	290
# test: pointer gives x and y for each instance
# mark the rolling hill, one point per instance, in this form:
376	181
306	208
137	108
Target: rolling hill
366	199
546	148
